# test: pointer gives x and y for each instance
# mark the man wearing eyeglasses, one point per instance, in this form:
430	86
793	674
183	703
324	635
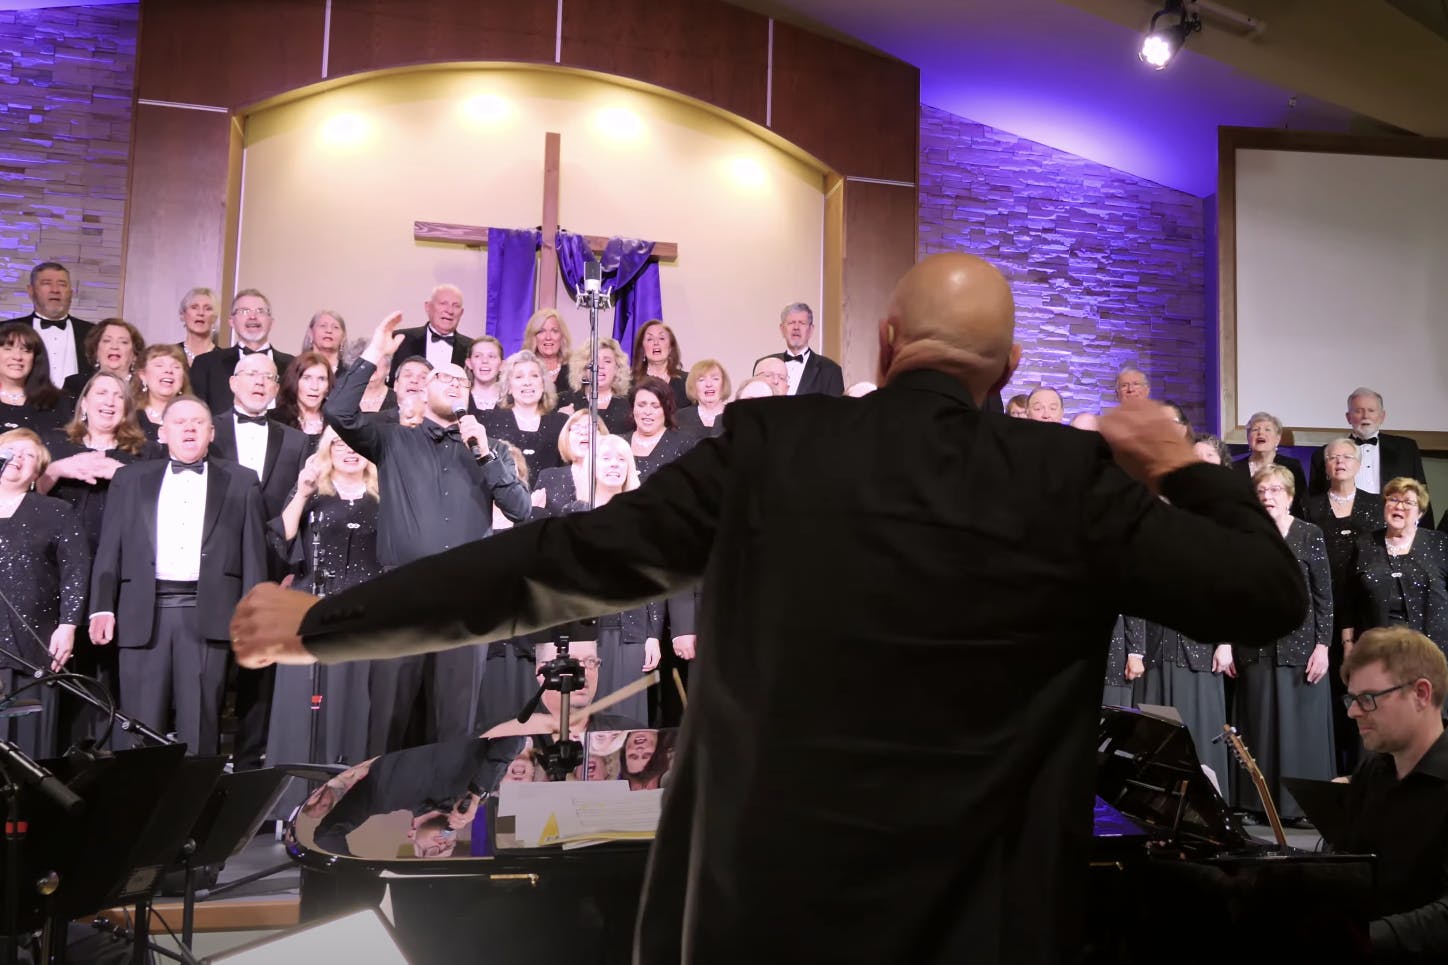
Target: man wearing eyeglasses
438	482
251	324
1398	800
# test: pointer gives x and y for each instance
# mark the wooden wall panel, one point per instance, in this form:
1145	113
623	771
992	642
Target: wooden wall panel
855	110
228	53
376	34
177	213
713	51
879	233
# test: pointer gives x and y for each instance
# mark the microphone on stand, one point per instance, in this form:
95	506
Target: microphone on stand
592	276
479	453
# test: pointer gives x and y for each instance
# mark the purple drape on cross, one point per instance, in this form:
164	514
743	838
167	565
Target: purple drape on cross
512	282
629	273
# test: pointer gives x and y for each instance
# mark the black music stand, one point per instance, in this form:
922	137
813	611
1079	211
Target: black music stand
227	822
77	863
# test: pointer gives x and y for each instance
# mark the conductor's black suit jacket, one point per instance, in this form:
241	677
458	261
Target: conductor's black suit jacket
888	754
233	549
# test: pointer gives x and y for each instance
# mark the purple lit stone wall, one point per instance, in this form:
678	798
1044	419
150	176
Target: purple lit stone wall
1107	268
68	75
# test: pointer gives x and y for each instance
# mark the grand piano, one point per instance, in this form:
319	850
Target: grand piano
1174	876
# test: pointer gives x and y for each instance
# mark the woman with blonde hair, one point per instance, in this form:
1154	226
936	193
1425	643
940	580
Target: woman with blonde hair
328	530
547	337
161	376
525	413
613	385
708	388
45	570
558	488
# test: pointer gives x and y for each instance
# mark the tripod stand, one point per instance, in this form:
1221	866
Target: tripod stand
564	674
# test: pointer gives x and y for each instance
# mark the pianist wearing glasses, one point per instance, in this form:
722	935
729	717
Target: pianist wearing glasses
1283	705
1402	568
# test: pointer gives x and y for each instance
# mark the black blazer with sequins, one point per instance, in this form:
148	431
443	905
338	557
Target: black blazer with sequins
1425	585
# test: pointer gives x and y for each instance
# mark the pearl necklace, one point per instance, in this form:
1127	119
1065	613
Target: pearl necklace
1341	499
1398	545
14	398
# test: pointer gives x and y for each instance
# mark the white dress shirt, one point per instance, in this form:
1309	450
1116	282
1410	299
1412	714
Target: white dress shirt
438	353
180	514
796	369
1369	474
60	346
250	445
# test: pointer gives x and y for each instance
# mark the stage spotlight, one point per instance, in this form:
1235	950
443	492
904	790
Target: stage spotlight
1164	39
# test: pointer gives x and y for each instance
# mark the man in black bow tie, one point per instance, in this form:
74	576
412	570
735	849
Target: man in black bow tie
251	323
1383	457
63	334
438	484
439	341
181	542
808	371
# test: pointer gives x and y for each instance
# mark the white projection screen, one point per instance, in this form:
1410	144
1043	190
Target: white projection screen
1334	274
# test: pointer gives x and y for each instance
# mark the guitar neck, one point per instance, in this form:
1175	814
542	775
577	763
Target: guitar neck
1269	806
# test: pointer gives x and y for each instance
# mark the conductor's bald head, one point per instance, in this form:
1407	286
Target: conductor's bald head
952	312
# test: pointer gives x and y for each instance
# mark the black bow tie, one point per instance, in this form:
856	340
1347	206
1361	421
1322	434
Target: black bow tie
51	322
256	420
1365	442
439	432
255	351
196	467
434	337
794	358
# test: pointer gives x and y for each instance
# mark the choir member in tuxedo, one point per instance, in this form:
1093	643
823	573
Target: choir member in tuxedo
557	488
113	346
1016	407
656	355
613	383
808	371
246	435
251	325
435	494
198	323
548	338
484	365
1283	707
329	525
1346	515
182	540
656	439
1131	383
628	642
438	341
101	438
327	336
161	377
62	333
526	412
1383	457
708	388
28	399
1264	434
948	506
1401	570
44	566
304	387
1044	404
772	370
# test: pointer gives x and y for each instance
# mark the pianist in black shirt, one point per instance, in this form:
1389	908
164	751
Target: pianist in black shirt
1397	803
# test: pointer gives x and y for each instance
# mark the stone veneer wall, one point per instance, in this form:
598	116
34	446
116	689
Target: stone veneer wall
1107	268
68	76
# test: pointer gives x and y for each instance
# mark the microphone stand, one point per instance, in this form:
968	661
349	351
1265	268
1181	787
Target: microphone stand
592	297
564	674
319	589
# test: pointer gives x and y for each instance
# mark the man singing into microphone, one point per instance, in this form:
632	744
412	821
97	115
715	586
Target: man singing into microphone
438	482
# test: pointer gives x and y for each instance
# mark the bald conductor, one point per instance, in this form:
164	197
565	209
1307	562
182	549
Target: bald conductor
850	813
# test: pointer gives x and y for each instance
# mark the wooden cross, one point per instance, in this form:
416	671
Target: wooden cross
476	236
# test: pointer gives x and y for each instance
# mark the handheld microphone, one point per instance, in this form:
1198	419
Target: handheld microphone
592	276
5	456
479	453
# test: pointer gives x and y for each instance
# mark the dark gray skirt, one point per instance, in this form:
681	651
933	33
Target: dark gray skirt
1116	695
1287	725
342	722
623	663
1198	698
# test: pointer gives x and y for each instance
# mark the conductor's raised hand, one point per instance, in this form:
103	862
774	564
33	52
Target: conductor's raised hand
1146	440
264	628
385	339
